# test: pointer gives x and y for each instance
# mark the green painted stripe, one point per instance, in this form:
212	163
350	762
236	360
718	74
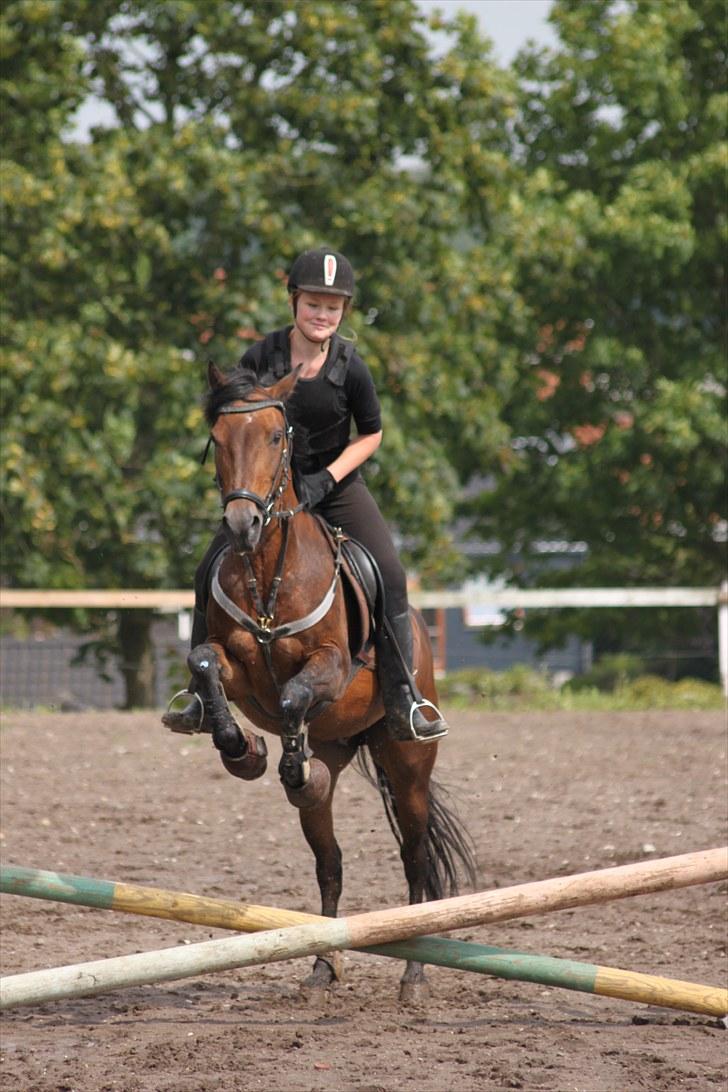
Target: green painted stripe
485	959
57	886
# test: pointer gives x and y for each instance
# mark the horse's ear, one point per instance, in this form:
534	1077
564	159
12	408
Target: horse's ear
284	388
215	378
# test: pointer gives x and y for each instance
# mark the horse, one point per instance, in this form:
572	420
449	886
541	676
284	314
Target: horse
287	643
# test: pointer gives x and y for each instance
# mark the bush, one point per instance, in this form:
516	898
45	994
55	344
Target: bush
523	688
654	692
609	673
519	685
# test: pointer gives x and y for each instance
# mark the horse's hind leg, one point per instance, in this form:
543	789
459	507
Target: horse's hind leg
408	767
243	754
317	825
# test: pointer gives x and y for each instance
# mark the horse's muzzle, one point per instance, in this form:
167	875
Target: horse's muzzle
243	524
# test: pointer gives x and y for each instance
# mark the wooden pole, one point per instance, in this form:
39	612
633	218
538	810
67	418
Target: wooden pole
151	901
541	897
167	964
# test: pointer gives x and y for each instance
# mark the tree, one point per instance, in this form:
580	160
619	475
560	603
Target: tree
244	132
619	244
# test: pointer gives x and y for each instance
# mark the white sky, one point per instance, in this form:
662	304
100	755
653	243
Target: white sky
509	23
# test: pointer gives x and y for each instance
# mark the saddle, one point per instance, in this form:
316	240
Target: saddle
364	593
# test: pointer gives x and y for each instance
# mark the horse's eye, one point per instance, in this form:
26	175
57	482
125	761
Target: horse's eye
276	437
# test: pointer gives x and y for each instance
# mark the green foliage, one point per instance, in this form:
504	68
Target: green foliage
522	689
131	258
243	133
497	689
654	692
619	243
610	673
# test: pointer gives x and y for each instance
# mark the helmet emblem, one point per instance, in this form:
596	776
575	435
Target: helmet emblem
329	270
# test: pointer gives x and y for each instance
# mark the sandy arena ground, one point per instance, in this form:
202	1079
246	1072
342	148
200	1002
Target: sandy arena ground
117	797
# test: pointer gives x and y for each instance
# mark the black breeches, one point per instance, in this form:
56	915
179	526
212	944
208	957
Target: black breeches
353	508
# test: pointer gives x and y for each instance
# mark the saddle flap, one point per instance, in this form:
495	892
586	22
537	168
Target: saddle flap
364	590
366	572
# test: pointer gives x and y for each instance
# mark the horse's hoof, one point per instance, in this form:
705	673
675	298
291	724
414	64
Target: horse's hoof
253	763
414	993
315	790
182	723
326	970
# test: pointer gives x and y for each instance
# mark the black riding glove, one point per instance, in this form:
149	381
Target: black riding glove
314	487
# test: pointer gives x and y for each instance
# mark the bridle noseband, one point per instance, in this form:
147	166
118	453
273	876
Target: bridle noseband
266	504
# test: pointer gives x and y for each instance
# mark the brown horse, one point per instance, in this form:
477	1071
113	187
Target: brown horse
285	640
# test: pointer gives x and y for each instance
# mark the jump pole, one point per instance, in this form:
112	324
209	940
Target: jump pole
326	934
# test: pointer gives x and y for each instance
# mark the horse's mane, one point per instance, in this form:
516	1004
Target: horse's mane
239	385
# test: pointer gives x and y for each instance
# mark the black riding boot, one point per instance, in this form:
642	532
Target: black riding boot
190	719
404	715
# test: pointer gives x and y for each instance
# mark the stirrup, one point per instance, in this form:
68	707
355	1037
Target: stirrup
172	720
439	733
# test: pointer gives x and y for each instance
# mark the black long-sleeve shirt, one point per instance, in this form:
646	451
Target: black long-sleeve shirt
321	409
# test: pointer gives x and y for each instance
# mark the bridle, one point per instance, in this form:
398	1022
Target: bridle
282	472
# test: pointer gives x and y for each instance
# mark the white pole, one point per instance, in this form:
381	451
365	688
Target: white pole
723	635
184	625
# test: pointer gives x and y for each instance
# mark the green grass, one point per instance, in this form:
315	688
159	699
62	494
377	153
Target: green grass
524	688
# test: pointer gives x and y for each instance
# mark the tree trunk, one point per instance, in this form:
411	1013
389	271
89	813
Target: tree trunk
136	658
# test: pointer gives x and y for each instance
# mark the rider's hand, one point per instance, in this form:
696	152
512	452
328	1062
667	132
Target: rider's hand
314	487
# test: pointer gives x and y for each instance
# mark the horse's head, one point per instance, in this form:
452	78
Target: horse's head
250	431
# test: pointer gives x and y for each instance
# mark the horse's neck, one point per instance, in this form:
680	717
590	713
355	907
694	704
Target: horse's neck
298	543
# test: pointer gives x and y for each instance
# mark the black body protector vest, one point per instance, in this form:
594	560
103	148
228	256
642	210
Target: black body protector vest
314	449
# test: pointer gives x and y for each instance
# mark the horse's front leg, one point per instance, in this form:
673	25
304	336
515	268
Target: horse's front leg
305	778
243	754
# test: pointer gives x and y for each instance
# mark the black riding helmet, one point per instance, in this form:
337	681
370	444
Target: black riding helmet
322	270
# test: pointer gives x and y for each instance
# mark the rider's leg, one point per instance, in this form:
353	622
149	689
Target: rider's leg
189	719
354	510
405	717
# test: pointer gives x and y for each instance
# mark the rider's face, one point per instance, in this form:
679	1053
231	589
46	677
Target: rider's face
318	315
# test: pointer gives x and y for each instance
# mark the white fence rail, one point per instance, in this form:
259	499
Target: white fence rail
509	598
95	598
541	598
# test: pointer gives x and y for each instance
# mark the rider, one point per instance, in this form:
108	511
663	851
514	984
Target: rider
334	386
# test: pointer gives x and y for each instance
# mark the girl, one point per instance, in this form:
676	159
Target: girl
334	387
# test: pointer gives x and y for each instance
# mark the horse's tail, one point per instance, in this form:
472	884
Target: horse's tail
450	850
